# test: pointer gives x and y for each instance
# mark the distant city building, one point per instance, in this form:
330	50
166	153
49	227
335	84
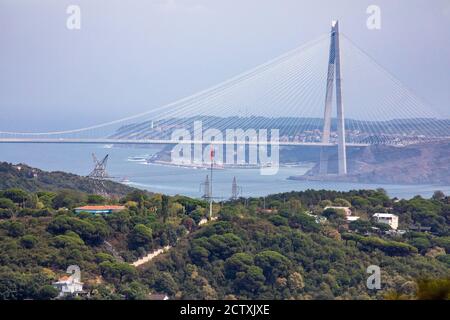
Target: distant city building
68	285
347	210
387	218
99	209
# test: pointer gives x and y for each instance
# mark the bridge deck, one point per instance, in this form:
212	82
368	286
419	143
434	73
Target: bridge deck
130	141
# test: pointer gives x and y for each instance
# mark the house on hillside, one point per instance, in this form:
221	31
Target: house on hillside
107	209
347	210
68	285
387	218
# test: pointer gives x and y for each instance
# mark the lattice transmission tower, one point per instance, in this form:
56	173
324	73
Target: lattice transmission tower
99	171
99	175
236	190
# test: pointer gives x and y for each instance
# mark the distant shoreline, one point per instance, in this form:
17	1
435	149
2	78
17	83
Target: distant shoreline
223	167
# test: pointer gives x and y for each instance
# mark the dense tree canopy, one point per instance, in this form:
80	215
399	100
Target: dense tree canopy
249	253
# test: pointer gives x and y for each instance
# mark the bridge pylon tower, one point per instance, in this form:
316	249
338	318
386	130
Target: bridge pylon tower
334	73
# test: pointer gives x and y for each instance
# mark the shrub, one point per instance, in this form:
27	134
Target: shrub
6	213
28	241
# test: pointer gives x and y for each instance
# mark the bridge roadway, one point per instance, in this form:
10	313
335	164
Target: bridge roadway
151	141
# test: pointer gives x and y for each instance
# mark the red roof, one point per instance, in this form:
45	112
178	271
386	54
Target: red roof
101	208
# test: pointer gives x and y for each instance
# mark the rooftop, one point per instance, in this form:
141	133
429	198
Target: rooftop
384	215
66	280
100	208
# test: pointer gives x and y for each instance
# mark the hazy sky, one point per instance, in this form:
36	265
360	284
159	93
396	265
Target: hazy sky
133	55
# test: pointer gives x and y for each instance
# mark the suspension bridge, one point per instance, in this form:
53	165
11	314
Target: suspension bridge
300	93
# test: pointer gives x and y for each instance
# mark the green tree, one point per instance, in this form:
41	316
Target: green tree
6	203
273	264
134	291
28	241
14	228
165	283
141	236
305	222
93	230
199	255
117	270
239	262
165	207
47	292
421	243
67	199
95	199
251	281
341	202
6	213
16	195
361	226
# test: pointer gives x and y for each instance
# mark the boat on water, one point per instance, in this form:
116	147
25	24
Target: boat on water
138	158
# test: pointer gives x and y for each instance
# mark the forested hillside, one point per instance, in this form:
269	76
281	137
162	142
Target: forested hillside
282	253
32	179
279	252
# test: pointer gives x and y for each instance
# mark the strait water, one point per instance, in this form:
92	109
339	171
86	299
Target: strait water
174	180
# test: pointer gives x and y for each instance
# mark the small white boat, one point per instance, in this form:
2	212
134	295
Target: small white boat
138	159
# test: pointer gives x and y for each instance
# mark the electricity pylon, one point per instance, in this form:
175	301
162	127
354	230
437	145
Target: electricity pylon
99	174
99	171
236	190
206	188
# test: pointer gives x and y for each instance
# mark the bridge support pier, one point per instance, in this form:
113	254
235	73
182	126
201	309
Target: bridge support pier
323	164
334	71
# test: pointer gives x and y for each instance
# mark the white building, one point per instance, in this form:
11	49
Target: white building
68	285
352	218
387	218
